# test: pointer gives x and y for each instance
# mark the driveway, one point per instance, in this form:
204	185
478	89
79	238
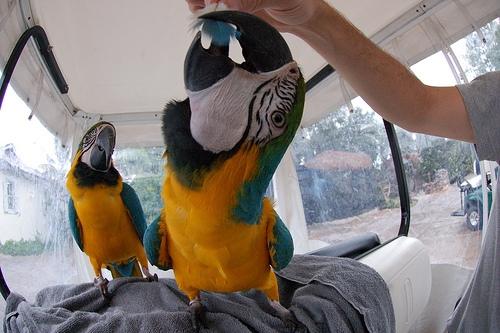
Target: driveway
446	237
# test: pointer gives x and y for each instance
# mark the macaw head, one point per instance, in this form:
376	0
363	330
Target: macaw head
93	163
257	104
97	146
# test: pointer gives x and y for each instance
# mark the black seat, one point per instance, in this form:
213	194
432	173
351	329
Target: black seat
350	248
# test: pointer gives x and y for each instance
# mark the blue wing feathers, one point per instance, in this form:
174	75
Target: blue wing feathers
283	245
152	243
125	269
73	223
131	201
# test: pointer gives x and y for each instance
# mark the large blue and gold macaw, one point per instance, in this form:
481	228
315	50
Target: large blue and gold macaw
217	230
105	214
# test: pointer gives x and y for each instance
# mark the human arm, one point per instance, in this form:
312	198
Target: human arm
384	83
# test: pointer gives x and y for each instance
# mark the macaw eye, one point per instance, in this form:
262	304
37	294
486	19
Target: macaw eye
278	119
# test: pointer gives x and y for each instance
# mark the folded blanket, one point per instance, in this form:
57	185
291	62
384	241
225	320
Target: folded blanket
325	294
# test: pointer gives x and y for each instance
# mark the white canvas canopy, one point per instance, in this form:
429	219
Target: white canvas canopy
123	60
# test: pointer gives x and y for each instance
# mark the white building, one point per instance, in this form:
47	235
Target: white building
27	197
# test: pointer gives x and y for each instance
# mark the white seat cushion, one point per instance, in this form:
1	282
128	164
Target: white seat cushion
404	264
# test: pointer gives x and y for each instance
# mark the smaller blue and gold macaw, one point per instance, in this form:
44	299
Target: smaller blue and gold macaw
105	214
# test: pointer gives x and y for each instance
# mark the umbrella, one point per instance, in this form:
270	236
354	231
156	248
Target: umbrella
339	160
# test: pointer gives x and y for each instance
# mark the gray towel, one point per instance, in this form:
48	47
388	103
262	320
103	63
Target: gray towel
325	294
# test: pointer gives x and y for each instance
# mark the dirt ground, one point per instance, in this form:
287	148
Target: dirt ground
446	237
26	275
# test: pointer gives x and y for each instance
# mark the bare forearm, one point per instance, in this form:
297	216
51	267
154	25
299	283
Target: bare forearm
388	86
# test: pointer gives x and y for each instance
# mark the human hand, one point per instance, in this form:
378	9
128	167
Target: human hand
284	15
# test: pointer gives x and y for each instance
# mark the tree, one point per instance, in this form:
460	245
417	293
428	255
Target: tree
454	156
334	194
484	57
142	168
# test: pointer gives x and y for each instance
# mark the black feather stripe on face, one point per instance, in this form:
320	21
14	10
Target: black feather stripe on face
86	177
185	155
276	98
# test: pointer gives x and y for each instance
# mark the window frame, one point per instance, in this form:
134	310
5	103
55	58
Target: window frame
9	198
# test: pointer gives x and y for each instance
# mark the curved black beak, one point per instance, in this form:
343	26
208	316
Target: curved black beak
264	50
202	68
97	146
100	156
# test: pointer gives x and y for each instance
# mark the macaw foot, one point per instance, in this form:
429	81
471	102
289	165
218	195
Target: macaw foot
286	316
150	277
197	311
102	284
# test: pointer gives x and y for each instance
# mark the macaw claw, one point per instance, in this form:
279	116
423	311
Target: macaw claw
286	316
102	284
197	311
152	277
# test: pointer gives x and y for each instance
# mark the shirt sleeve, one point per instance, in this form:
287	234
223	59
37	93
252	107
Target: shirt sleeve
482	101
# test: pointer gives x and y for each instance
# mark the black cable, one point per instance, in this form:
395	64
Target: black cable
45	49
42	41
4	289
404	196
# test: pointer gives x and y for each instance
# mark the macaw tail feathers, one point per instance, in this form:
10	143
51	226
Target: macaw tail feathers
127	269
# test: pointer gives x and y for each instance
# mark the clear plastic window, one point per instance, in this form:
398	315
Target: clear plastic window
346	176
142	168
477	56
34	229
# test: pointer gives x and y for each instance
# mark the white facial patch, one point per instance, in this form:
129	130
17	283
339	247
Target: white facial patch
272	104
220	114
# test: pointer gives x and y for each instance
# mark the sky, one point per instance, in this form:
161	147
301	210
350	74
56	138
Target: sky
34	144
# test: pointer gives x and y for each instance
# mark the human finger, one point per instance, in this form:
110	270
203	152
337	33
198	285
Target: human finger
195	5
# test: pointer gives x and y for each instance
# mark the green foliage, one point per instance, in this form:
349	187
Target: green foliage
335	194
142	168
451	155
332	194
358	131
22	247
148	189
391	203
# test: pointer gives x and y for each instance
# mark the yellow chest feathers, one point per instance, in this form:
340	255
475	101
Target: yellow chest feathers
100	205
218	193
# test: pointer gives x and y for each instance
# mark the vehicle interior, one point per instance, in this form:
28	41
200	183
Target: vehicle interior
351	185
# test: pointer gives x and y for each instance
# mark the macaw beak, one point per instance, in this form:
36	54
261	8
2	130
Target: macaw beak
100	146
264	50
